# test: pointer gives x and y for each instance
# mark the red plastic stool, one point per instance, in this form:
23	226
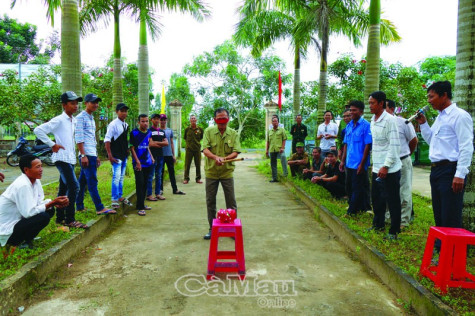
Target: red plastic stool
221	229
452	268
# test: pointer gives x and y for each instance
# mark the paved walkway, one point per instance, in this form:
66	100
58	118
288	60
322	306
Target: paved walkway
140	268
420	181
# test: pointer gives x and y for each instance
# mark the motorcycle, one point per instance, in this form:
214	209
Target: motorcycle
43	152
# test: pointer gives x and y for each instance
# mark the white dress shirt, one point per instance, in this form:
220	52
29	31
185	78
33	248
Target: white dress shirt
330	129
386	145
451	138
20	200
62	127
406	134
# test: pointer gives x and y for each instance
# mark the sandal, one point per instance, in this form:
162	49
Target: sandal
147	208
107	211
159	197
153	199
185	182
141	213
179	192
77	224
126	202
115	204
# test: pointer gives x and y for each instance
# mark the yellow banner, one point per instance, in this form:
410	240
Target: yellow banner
164	101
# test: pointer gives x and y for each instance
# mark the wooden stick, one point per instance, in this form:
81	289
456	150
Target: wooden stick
235	159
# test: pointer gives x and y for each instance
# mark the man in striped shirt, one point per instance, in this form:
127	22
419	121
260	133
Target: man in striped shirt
386	166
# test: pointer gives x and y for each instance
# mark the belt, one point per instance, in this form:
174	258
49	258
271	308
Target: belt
404	157
443	163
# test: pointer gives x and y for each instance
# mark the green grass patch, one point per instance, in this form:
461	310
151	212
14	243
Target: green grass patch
407	252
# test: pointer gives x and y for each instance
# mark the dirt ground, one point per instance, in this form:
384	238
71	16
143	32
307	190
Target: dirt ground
156	265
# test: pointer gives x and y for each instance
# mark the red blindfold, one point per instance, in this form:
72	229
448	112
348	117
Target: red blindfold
221	120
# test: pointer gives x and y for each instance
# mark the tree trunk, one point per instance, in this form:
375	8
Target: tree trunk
71	76
322	83
372	55
464	92
296	107
142	64
117	95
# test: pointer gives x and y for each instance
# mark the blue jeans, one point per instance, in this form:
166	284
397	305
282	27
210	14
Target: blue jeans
156	169
68	185
89	176
118	173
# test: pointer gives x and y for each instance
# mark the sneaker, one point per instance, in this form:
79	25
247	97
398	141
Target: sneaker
274	180
390	237
207	236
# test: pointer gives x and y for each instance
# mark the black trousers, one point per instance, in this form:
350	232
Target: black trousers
28	228
385	194
141	179
168	161
356	190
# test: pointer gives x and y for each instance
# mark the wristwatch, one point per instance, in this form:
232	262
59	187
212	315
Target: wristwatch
385	167
82	156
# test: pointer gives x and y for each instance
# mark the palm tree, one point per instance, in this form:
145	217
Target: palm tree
147	18
465	91
261	29
70	42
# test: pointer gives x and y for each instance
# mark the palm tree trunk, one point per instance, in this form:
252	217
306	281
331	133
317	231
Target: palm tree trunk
117	95
465	91
142	64
296	107
71	76
322	83
372	55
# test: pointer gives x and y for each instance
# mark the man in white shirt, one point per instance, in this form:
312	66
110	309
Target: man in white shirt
64	155
408	141
327	133
450	142
386	166
23	210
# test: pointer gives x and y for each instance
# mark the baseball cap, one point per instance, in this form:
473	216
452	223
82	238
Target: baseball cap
155	115
121	106
163	116
91	97
299	144
70	96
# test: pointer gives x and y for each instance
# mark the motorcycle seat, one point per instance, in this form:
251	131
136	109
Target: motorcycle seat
40	147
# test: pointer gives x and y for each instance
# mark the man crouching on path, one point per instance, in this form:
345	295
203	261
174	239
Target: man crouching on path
220	143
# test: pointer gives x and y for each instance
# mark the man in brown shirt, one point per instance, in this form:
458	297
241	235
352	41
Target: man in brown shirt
193	137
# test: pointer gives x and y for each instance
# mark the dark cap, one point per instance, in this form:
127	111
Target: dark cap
155	115
163	116
91	97
70	96
121	106
333	152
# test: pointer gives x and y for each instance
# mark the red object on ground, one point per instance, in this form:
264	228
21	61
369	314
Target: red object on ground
221	229
451	270
227	215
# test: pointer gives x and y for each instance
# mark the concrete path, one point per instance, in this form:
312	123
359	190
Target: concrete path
421	181
156	265
50	174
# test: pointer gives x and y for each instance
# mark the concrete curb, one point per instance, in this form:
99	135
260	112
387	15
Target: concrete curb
401	283
16	288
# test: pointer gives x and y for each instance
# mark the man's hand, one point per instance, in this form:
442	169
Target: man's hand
153	160
342	166
267	154
60	201
457	184
316	179
421	119
282	150
138	166
84	162
98	163
219	160
113	160
56	148
383	172
360	169
2	176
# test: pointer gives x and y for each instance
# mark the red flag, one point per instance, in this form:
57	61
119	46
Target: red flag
280	93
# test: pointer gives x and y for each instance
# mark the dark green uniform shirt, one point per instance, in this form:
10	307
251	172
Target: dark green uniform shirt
298	133
302	156
193	137
222	146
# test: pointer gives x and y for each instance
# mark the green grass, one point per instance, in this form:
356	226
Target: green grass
407	252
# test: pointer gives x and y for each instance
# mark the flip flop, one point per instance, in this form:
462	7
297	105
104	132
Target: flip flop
115	204
159	197
126	202
107	211
153	199
179	192
141	213
77	224
147	208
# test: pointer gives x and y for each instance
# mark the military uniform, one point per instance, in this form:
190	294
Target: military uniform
193	137
222	146
298	135
275	139
298	169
